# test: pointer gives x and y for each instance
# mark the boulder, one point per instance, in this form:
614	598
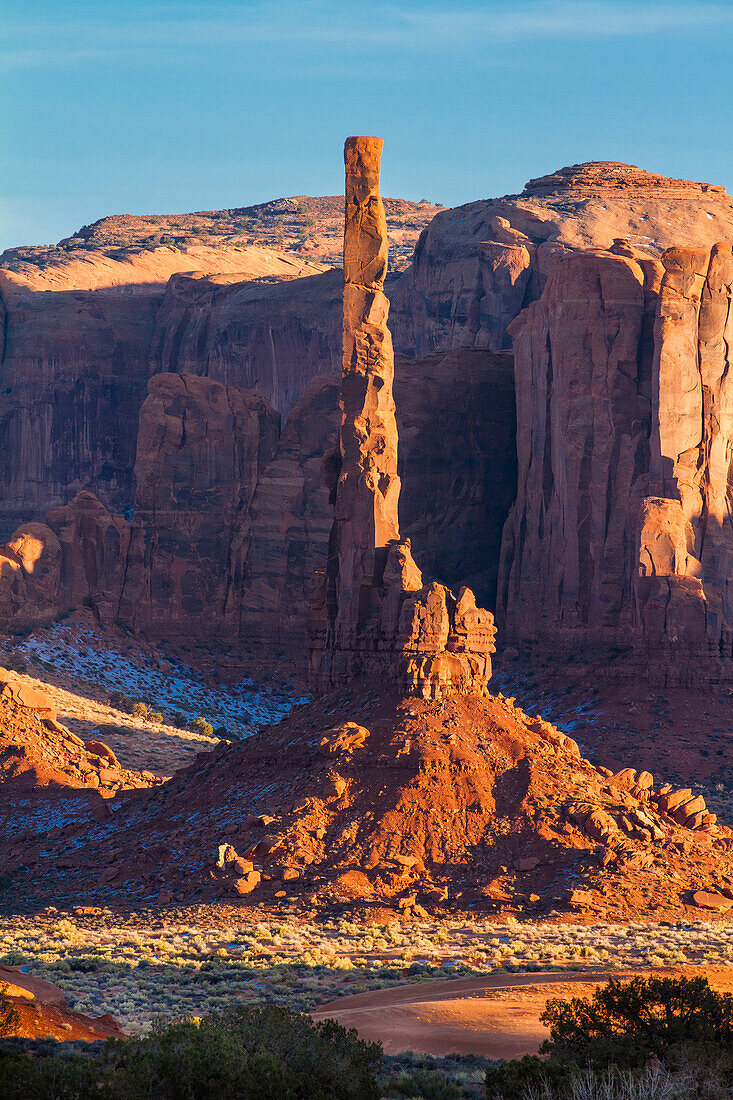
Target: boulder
343	739
30	578
711	899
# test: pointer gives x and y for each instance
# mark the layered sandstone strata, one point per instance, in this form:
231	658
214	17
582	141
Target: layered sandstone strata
621	529
373	616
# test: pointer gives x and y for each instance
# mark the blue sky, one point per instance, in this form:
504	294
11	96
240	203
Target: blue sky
133	106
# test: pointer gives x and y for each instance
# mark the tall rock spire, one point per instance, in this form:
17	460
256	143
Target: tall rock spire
366	520
372	615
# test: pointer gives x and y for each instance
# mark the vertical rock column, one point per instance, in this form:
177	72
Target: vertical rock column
372	616
366	519
683	589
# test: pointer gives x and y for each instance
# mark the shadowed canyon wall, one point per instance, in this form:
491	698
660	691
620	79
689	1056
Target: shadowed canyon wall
622	524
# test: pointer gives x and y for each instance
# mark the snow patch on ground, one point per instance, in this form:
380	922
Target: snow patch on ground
79	654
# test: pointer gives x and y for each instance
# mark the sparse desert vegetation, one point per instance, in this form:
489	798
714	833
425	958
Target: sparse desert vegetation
152	963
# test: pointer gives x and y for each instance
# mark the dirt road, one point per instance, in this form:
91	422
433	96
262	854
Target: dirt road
497	1016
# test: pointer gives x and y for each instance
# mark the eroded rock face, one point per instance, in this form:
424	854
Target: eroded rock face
271	336
457	462
201	447
73	377
94	547
79	333
373	616
455	417
30	577
76	559
477	266
625	429
283	541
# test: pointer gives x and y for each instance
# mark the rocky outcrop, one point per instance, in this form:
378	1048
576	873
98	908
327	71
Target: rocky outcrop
466	804
621	527
76	559
476	266
372	616
30	575
36	751
94	547
455	418
201	447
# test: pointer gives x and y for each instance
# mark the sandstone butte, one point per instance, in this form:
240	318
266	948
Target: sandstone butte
373	617
404	785
601	293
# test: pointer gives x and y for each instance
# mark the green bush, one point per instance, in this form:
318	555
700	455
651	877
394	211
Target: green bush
110	730
200	725
627	1023
259	1052
528	1076
53	1077
85	964
427	1084
680	1025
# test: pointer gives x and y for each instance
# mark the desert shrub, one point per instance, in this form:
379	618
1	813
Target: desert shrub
110	730
259	1051
529	1076
85	964
200	725
50	1077
119	700
626	1023
607	1045
427	1084
155	716
180	721
140	709
14	958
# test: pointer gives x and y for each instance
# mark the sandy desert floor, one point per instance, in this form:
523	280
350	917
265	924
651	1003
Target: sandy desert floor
497	1016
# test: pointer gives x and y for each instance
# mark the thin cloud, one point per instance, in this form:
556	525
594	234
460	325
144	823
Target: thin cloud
333	24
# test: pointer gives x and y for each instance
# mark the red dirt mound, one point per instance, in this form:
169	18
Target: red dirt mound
356	801
42	1011
36	751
